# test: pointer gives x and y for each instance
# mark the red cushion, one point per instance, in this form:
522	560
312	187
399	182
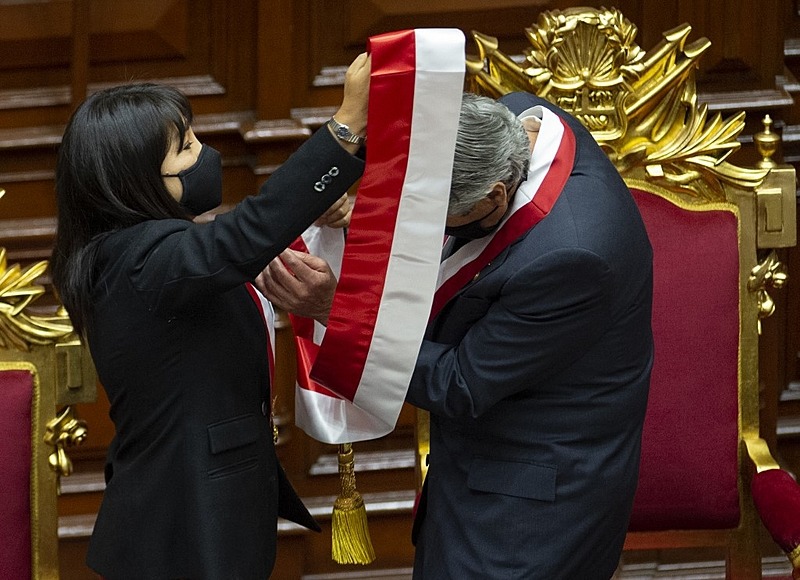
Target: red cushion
688	477
16	392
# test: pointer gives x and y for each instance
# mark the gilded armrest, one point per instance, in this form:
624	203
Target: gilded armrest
759	453
776	496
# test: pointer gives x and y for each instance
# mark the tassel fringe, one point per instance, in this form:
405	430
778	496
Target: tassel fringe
351	543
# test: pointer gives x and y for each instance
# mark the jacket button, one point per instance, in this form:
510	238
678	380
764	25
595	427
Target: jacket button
264	410
333	171
319	186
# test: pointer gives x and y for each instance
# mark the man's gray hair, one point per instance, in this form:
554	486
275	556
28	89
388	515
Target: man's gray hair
491	146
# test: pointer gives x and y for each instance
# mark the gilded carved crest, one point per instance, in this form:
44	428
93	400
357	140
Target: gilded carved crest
19	327
640	106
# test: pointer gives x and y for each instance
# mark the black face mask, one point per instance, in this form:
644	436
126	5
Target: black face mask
473	230
202	182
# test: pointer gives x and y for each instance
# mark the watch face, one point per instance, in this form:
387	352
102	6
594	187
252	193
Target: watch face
342	131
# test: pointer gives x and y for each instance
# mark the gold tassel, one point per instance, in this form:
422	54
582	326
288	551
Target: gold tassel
351	542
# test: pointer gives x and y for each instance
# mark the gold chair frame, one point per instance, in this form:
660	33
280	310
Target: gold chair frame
63	374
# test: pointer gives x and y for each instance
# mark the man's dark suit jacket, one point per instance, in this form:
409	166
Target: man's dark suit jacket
536	376
194	487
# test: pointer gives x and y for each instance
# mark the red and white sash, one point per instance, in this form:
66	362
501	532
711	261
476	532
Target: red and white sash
352	386
353	376
268	314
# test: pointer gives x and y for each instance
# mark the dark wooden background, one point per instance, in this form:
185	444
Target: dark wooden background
263	74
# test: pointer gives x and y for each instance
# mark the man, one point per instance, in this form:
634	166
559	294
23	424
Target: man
536	363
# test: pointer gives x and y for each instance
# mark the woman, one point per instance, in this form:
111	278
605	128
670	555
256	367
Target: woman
194	488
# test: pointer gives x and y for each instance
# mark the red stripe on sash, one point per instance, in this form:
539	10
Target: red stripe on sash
366	256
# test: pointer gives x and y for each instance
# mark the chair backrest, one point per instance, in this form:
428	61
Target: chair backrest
689	476
42	366
711	224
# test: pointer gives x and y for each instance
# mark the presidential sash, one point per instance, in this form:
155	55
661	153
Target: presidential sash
353	376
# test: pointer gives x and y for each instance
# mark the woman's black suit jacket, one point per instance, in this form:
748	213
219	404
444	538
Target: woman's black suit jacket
194	488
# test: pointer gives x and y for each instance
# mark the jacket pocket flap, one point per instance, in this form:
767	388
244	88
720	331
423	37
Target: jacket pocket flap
517	479
232	433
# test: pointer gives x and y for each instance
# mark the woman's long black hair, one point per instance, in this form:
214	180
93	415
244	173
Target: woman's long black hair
108	177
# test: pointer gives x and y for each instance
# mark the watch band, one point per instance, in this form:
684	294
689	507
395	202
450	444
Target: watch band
343	132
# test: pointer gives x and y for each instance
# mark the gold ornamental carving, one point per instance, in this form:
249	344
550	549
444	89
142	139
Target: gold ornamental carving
43	338
19	328
768	273
64	431
641	107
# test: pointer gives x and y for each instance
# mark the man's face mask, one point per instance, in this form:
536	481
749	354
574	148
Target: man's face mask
202	182
473	230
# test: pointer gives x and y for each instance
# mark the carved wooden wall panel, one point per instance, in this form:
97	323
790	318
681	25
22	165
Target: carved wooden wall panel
745	42
190	43
262	74
55	52
339	30
740	56
36	36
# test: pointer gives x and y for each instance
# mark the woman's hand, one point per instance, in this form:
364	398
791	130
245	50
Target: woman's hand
353	110
338	215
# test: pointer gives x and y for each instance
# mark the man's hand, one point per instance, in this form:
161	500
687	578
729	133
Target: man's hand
299	283
338	215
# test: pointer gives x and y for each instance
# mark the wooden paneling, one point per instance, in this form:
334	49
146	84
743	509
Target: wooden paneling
35	37
262	75
746	55
339	30
206	47
745	36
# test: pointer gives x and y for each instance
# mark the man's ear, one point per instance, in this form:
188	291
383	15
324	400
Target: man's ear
498	193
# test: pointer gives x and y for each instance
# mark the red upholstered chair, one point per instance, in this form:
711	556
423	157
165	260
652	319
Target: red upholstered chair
41	366
712	225
701	442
